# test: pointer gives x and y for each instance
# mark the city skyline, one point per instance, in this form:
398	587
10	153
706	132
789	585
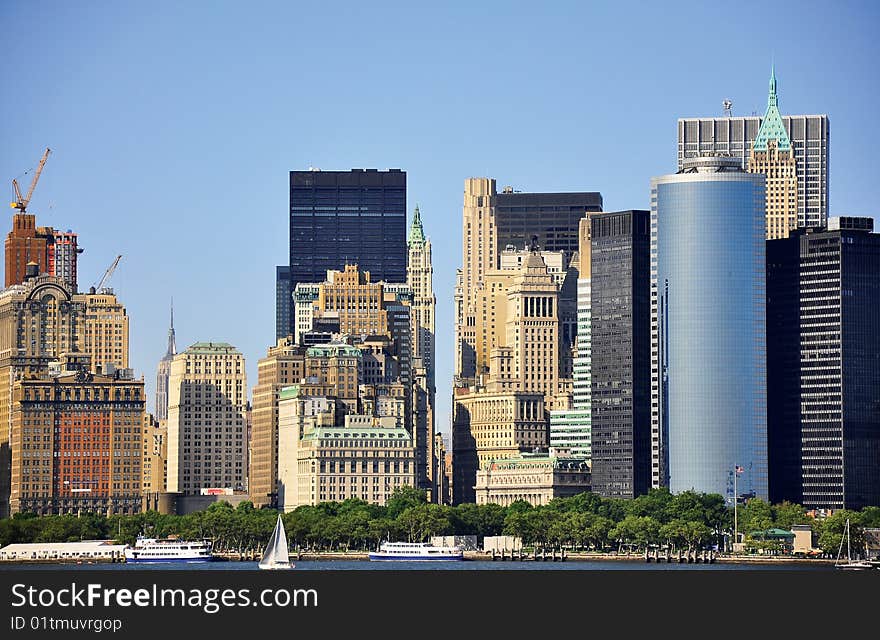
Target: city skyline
205	171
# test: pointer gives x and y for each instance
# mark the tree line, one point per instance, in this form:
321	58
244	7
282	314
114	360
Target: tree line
586	521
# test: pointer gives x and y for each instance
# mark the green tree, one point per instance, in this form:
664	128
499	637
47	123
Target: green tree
403	498
787	514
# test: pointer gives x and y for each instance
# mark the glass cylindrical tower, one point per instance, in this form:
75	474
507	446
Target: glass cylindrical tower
708	281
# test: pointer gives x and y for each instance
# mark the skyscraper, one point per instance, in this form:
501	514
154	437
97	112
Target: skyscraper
492	222
420	278
340	218
773	156
824	429
164	373
708	294
207	398
620	311
807	138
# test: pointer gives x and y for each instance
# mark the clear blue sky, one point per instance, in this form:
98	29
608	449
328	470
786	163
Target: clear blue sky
173	125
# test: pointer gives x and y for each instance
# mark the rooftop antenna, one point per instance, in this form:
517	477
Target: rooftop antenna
727	104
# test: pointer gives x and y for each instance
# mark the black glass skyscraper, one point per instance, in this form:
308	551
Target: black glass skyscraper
552	217
621	353
345	217
824	416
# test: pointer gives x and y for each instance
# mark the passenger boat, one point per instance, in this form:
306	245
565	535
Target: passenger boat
168	550
415	551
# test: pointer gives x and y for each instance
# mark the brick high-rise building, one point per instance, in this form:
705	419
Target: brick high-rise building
76	441
26	243
63	254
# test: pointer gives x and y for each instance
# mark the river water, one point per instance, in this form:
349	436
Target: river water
467	565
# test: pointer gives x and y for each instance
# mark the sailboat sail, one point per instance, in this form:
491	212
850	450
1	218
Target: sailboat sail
276	554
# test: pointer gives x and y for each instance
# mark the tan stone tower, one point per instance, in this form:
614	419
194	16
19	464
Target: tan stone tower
773	155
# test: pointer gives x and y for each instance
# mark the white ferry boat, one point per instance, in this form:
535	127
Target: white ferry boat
168	550
415	551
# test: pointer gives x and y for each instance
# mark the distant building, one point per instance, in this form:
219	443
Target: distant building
709	364
207	446
824	405
164	372
536	478
155	454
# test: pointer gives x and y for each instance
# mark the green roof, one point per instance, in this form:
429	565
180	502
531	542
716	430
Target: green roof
416	233
772	127
772	533
289	392
330	350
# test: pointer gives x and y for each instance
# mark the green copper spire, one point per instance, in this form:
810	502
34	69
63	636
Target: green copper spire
416	233
772	127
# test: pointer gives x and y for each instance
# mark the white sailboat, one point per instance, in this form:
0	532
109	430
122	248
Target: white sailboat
275	556
849	564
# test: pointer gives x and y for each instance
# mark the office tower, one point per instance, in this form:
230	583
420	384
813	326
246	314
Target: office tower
570	428
283	365
62	258
708	298
492	222
824	428
346	217
164	373
283	302
155	454
620	333
26	243
806	138
772	155
207	398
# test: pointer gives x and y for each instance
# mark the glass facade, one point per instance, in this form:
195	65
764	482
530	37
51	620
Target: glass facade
552	217
347	217
708	272
620	323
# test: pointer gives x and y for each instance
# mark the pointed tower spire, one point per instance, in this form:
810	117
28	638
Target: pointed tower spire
772	127
172	340
416	233
771	98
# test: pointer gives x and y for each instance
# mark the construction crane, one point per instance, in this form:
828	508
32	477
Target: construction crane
22	203
106	277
